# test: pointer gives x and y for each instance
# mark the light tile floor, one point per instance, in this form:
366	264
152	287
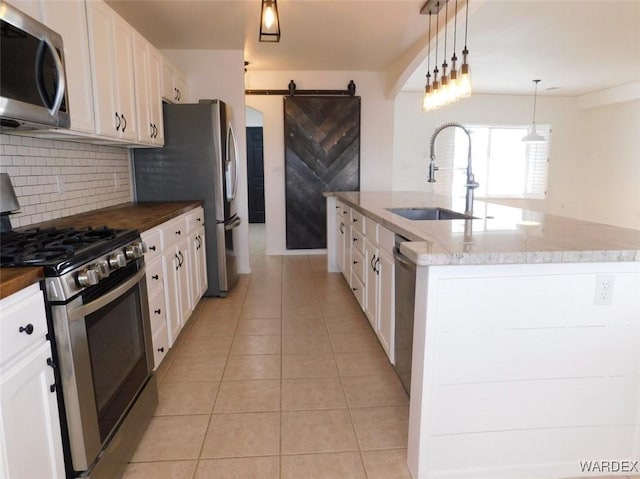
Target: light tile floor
283	379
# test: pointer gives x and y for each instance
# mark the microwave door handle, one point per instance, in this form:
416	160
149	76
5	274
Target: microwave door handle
86	309
53	111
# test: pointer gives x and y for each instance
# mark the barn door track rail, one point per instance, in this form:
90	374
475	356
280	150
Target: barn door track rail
350	91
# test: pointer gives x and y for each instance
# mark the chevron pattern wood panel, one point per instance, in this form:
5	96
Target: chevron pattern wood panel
322	153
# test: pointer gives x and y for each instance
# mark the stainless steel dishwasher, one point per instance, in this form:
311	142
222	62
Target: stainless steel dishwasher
405	300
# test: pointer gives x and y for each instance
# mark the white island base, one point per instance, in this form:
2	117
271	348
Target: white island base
525	371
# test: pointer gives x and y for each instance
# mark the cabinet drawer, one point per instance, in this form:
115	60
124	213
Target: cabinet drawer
357	240
160	345
195	219
154	274
157	309
358	290
174	230
371	227
341	209
357	222
153	239
358	264
386	239
24	323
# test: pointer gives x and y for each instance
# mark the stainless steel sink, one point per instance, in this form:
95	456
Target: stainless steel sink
429	214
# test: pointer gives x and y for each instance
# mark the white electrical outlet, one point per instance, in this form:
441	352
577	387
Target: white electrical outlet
60	184
604	289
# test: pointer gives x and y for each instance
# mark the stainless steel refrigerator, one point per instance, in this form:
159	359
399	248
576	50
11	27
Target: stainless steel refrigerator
198	162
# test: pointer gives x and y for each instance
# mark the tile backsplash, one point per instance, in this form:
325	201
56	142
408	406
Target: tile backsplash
54	178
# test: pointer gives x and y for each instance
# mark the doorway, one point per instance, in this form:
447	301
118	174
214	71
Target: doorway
255	174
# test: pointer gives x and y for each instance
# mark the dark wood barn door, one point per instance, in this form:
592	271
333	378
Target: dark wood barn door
322	153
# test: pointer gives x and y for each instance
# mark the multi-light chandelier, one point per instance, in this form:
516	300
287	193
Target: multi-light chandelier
457	83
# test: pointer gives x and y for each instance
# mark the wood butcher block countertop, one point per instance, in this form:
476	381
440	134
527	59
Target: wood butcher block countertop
140	216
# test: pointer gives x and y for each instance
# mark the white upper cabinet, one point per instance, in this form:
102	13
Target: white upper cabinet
33	8
174	88
111	46
155	95
68	18
148	102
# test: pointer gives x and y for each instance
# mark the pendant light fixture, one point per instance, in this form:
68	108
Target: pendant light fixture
533	136
269	22
427	100
464	78
457	84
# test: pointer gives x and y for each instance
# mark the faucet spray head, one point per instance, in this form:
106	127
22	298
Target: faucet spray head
432	170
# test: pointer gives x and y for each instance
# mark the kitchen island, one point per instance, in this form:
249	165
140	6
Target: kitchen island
526	340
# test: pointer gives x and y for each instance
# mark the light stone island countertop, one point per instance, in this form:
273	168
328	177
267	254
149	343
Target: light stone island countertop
500	234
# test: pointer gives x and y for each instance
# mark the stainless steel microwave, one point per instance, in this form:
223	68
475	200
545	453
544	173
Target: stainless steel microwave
33	92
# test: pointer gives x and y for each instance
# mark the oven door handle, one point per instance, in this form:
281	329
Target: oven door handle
86	309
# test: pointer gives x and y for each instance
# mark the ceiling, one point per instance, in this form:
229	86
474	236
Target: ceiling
573	46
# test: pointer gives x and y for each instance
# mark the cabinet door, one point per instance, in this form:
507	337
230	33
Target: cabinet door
68	18
168	90
198	273
180	84
155	94
141	70
340	242
194	270
371	283
99	18
29	424
33	8
386	303
182	248
202	263
172	293
123	53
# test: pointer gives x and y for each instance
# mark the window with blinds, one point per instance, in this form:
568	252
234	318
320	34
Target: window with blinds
502	163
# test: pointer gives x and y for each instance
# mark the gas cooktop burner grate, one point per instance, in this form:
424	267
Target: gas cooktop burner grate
57	246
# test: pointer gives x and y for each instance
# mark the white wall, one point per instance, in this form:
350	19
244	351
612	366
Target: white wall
220	74
376	136
253	117
593	171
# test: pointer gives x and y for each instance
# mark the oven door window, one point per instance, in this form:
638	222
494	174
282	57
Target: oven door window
118	361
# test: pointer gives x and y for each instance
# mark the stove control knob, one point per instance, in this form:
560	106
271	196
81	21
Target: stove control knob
143	246
134	251
102	268
88	277
118	260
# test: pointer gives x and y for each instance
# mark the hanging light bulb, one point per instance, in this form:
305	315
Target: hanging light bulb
533	136
464	79
427	98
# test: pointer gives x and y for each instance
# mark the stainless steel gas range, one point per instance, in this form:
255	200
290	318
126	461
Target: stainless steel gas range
98	320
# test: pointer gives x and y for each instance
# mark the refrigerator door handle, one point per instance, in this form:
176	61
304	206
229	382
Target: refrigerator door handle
229	220
236	222
231	165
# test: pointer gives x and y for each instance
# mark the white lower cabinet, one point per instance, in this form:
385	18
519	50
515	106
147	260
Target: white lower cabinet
386	303
176	277
30	439
366	248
